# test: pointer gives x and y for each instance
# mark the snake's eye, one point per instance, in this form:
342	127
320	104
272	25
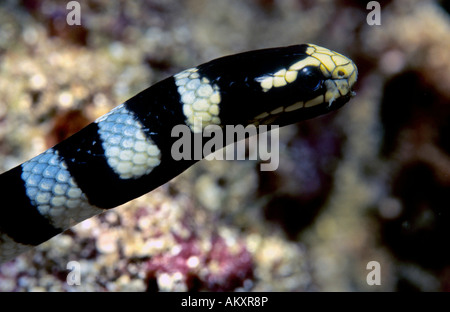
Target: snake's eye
310	78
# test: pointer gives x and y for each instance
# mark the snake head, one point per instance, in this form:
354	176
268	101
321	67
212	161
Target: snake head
320	81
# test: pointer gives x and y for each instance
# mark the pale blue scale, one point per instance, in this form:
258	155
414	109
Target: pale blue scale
53	192
127	143
121	132
39	168
46	184
129	131
50	172
33	180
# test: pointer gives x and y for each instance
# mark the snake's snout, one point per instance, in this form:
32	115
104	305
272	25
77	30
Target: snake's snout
339	71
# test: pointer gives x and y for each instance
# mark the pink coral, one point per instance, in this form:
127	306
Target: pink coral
220	268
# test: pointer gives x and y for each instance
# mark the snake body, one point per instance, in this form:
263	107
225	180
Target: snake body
127	152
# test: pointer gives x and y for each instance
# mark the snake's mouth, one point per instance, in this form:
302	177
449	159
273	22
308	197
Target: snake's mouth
314	111
335	97
339	102
305	113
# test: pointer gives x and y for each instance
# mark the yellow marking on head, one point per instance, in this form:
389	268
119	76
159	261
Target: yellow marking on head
343	71
340	60
332	91
326	61
261	116
330	96
280	73
277	111
310	50
279	81
327	52
267	83
319	49
309	61
315	101
294	107
324	70
291	75
342	86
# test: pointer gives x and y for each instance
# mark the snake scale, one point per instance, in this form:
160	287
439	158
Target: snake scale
127	152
